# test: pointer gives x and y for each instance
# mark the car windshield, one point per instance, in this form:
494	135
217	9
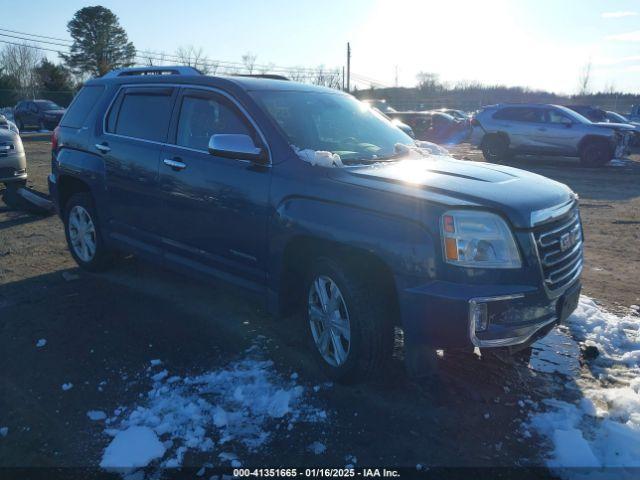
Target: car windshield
47	105
333	122
575	116
616	117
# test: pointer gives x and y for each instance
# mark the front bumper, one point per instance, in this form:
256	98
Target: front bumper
440	314
13	168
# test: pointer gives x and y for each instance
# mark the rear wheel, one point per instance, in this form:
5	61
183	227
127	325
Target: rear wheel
350	329
495	148
83	234
595	154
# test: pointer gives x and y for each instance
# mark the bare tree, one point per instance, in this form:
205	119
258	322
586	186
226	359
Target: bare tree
153	59
264	69
19	63
194	57
585	79
249	61
296	74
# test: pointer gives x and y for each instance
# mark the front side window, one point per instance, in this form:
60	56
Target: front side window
332	122
555	116
143	114
201	117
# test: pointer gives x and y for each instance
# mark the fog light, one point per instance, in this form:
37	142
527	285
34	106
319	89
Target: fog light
478	315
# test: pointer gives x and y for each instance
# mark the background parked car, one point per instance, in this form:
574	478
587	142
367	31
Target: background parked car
457	114
634	114
41	114
7	124
502	131
383	108
13	162
435	127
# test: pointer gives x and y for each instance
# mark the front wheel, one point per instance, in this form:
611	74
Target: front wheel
83	234
495	148
595	154
349	327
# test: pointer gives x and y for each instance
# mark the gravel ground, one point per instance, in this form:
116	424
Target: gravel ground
108	327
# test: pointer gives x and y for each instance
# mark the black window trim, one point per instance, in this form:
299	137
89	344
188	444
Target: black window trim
180	87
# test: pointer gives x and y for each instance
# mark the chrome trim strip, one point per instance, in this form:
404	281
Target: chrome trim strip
548	214
574	222
511	341
563	258
573	273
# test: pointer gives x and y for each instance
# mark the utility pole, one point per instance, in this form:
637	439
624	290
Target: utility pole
348	67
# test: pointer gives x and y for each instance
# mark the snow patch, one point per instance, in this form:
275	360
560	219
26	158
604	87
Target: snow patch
41	343
96	415
603	429
319	158
317	448
237	407
4	431
132	448
67	386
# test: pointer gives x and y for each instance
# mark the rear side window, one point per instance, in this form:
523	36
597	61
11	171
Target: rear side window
520	114
142	113
81	106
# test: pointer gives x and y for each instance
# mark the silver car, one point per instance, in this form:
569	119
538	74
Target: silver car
502	131
13	162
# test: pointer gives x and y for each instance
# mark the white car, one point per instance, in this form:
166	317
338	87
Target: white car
7	124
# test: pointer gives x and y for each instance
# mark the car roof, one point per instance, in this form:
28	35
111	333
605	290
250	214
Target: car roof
242	82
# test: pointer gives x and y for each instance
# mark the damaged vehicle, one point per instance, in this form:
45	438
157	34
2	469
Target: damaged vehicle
505	130
321	207
437	127
384	109
13	161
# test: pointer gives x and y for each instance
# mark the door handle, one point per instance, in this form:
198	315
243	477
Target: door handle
103	147
175	164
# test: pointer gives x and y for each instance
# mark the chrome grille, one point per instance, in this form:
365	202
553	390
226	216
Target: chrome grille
559	245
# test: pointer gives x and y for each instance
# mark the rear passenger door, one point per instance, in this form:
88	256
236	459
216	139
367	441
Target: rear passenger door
214	208
135	128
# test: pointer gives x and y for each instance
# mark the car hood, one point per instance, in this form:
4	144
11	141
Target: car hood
515	193
55	112
615	126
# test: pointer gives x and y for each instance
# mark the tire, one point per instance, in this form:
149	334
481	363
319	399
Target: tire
41	126
20	125
368	321
78	209
495	148
595	153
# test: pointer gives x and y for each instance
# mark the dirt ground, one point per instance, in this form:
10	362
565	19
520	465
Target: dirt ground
108	327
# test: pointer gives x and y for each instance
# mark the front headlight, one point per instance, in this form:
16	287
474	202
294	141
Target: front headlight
478	240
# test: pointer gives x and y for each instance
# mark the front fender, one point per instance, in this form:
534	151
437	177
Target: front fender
405	246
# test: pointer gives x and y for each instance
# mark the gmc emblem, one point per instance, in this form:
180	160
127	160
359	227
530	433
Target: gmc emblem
568	240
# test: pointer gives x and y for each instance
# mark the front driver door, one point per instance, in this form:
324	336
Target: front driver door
214	208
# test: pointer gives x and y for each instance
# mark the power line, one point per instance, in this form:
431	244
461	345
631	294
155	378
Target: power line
143	56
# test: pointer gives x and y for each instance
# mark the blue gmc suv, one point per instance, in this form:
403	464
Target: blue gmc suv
316	202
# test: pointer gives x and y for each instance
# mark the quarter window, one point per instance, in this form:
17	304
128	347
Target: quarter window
204	116
82	106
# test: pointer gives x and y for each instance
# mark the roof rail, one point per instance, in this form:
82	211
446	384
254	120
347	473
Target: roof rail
164	70
262	75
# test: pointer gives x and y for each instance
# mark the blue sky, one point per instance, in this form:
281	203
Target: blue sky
534	43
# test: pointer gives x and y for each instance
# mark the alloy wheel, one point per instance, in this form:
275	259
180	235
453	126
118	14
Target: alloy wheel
82	233
329	321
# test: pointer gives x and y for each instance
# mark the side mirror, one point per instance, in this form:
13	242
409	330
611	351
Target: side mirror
237	146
